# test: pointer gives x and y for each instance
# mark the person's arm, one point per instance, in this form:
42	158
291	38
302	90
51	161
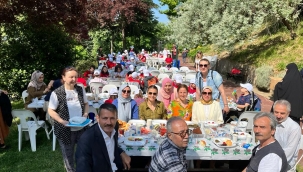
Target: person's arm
271	162
136	110
165	114
292	142
198	94
86	106
141	111
83	156
221	89
126	160
244	170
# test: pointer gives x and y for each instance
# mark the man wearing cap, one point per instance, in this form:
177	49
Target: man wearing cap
148	78
288	132
113	94
97	78
244	100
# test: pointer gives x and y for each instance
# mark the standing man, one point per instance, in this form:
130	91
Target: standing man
174	52
288	132
184	55
268	156
213	79
97	149
170	157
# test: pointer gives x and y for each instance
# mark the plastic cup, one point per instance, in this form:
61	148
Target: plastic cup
248	138
231	129
235	138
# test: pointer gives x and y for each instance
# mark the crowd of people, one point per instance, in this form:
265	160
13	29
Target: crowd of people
278	132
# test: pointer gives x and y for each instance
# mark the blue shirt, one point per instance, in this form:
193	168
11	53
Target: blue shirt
213	80
244	99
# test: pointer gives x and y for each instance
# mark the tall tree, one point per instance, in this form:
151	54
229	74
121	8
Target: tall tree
172	7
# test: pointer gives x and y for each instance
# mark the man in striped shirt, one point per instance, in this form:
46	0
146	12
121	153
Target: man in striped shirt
171	153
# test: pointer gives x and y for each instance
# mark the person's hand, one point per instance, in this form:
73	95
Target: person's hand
4	91
63	122
226	109
126	160
85	115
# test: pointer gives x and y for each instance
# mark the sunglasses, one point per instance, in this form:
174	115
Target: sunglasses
151	93
203	65
124	91
182	134
206	93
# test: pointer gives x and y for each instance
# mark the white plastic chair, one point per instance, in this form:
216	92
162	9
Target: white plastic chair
96	87
51	121
117	83
161	76
184	69
162	69
298	160
134	83
103	95
191	72
188	77
133	89
249	115
24	95
169	73
152	68
155	73
107	88
30	127
174	69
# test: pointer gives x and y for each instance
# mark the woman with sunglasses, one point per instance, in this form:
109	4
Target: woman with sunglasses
35	89
66	102
166	92
126	106
207	109
181	107
151	108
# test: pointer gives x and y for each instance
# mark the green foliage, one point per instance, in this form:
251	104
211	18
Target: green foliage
84	65
281	66
192	53
27	48
281	74
173	6
263	75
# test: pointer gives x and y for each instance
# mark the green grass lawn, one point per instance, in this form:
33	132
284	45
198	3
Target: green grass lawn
44	159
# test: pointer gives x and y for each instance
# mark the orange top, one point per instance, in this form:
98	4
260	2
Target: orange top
176	109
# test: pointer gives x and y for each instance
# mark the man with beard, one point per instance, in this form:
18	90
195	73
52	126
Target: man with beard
97	149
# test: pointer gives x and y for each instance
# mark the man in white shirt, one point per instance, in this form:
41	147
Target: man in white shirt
288	132
97	149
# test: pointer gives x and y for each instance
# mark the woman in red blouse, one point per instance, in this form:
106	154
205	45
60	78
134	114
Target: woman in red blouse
104	72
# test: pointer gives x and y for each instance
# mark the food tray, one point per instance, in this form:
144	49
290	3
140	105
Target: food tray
210	124
218	141
130	141
84	124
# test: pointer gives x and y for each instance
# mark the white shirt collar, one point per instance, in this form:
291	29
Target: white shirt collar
284	123
105	135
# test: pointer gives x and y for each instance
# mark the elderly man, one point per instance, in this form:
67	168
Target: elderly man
268	156
170	157
288	132
207	77
97	149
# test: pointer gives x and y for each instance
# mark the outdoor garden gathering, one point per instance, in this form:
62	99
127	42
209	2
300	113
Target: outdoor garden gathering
151	85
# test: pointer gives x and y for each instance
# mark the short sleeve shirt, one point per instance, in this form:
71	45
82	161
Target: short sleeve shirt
244	99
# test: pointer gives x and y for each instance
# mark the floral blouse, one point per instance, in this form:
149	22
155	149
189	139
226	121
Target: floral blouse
176	109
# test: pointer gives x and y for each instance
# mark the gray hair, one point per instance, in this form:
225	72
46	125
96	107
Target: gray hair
270	116
283	102
170	121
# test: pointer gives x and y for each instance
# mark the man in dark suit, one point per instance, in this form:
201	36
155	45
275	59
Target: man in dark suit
97	149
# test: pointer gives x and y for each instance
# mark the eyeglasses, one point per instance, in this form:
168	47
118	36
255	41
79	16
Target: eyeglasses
151	93
124	91
182	134
206	93
203	65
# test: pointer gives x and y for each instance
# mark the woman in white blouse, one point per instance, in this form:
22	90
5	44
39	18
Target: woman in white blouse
207	109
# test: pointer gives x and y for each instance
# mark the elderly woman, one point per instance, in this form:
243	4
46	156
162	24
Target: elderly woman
126	106
66	102
151	108
181	106
35	89
166	92
207	108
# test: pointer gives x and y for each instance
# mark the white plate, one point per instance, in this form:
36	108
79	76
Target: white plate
210	124
159	121
218	141
77	120
137	121
129	142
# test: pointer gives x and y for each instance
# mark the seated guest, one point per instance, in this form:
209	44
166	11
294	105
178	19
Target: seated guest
35	89
169	61
82	81
134	78
127	107
268	155
181	106
166	92
176	83
97	149
104	72
113	94
89	73
97	78
6	118
139	97
207	109
244	100
128	74
119	73
151	108
192	86
288	132
170	156
110	64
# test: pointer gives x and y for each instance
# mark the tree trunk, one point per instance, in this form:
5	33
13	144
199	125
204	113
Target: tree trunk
123	36
112	42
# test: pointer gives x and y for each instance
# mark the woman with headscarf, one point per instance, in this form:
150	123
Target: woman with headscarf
35	89
291	89
126	106
207	109
166	92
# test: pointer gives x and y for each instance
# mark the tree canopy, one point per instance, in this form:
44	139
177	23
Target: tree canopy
227	22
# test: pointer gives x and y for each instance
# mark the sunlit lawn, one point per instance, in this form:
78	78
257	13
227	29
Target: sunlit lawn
44	159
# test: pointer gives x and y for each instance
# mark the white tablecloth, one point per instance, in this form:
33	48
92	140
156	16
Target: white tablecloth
38	104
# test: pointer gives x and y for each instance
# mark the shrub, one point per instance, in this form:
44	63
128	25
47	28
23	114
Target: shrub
280	74
281	66
263	74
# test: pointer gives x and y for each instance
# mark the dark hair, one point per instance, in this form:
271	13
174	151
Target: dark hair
92	66
153	87
67	69
117	67
110	107
182	86
104	72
